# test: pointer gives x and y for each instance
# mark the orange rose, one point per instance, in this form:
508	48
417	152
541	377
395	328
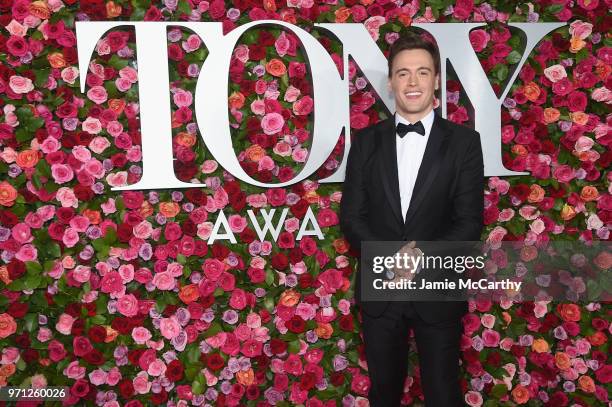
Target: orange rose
112	10
540	346
597	339
569	312
56	60
576	44
562	360
536	193
185	139
589	193
40	9
276	67
189	293
236	100
580	118
602	70
532	91
93	216
520	394
342	14
111	334
269	5
7	325
4	275
551	115
289	298
519	149
507	318
169	209
146	209
245	377
311	197
255	153
567	212
405	19
116	105
603	260
366	2
340	245
8	194
27	158
586	384
7	370
324	330
528	253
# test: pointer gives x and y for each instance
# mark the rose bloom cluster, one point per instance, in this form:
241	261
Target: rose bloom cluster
120	296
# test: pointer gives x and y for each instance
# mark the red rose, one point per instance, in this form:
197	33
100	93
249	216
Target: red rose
175	370
346	323
576	101
80	388
278	346
16	269
126	388
296	324
215	361
97	333
159	398
280	261
81	346
95	357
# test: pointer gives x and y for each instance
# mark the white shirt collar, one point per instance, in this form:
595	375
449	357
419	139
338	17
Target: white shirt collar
427	120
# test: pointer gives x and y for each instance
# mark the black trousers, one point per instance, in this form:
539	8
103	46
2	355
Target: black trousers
386	347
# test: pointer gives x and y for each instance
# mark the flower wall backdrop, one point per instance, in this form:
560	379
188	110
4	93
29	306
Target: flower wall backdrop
118	295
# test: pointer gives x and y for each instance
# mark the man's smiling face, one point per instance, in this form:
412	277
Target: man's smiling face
413	82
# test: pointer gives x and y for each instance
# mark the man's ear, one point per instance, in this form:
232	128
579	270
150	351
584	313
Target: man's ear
437	84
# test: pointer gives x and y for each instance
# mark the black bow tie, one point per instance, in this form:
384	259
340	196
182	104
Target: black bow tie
402	128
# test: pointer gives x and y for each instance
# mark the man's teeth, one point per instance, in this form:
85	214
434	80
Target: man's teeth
413	93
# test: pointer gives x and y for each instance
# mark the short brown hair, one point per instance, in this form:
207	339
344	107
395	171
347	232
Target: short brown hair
414	41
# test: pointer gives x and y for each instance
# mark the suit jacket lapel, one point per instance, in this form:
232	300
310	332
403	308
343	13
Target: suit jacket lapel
389	158
434	152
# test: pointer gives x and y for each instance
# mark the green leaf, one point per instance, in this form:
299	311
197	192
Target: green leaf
33	267
214	328
513	57
22	135
184	7
554	9
499	390
294	346
501	72
117	62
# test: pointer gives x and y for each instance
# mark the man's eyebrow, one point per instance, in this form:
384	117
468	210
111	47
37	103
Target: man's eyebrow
418	69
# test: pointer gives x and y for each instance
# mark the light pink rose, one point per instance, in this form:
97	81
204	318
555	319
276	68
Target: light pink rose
257	200
79	223
529	212
169	327
373	24
272	123
291	94
61	173
506	214
580	29
49	145
20	84
66	196
71	237
117	179
282	44
141	335
64	324
258	107
193	43
92	125
584	143
114	128
157	368
113	376
94	168
537	226
299	154
141	383
487	320
97	94
209	166
129	73
22	233
99	144
69	74
74	371
282	148
164	281
555	73
97	377
303	106
292	224
204	230
496	236
123	84
265	163
241	52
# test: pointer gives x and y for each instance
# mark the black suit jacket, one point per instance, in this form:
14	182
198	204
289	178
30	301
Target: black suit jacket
447	202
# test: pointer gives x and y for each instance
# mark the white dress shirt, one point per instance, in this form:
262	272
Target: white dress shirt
410	150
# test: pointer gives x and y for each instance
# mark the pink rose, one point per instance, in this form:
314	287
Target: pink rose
128	305
299	154
584	143
97	94
113	376
257	200
373	24
61	173
169	327
164	281
479	39
564	173
123	84
141	383
282	44
272	123
71	237
473	398
97	377
99	144
182	98
265	163
291	94
21	233
70	74
92	125
81	273
490	338
237	223
156	368
129	74
496	236
19	84
303	106
238	299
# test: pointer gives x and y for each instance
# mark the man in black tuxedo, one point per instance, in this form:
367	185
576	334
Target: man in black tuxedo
414	176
